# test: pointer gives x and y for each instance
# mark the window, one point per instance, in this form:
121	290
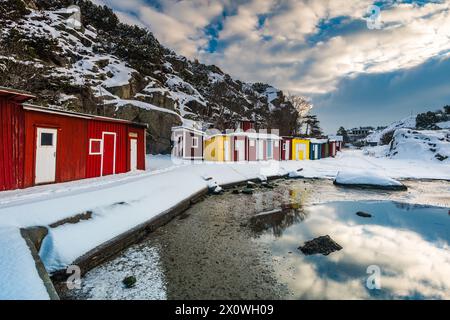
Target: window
284	146
195	142
252	143
95	147
46	139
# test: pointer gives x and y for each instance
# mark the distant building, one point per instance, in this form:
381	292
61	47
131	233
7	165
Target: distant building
356	134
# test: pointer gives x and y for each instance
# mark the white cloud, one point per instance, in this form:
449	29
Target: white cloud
279	51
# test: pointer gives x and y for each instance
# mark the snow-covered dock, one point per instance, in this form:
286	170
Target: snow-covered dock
122	202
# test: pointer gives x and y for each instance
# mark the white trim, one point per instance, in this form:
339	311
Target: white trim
103	151
90	147
30	107
62	113
131	154
37	161
184	144
194	145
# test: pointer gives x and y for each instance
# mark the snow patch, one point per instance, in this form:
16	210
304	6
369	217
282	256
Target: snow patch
19	279
365	177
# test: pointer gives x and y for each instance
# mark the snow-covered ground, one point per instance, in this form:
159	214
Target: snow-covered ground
121	202
19	278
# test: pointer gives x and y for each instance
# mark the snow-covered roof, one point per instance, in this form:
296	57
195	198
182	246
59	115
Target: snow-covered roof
318	140
188	129
336	138
17	95
255	135
31	107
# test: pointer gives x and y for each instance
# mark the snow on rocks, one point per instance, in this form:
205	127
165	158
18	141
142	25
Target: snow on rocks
426	145
213	187
409	122
368	179
105	282
443	125
296	174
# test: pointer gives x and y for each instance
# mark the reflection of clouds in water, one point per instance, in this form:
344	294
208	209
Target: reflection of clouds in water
411	266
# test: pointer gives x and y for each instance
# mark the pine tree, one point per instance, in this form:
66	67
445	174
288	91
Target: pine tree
312	126
342	132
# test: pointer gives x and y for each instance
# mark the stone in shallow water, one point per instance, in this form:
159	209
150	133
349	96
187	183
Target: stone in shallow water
364	214
247	191
323	245
129	282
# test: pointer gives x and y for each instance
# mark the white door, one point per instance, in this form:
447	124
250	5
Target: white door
47	140
269	149
288	150
260	149
226	147
240	148
133	155
300	148
316	152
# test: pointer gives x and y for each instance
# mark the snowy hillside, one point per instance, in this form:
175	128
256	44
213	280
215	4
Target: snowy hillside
409	122
114	69
424	145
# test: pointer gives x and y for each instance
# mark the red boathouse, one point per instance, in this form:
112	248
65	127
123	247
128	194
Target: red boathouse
41	146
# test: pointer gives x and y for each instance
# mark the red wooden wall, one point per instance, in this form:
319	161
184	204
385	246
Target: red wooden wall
96	129
11	145
71	145
141	132
283	147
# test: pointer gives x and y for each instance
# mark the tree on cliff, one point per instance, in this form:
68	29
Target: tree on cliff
303	106
312	126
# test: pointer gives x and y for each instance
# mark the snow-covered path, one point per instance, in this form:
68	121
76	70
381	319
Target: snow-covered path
121	202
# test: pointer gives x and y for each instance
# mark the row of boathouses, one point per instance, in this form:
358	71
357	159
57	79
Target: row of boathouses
249	145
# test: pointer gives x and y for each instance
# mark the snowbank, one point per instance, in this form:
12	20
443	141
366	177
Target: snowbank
19	279
425	145
367	179
443	125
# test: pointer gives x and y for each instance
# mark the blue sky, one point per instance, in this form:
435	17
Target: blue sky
323	49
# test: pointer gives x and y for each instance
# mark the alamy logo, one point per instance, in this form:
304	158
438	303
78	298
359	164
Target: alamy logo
374	19
74	21
374	280
74	280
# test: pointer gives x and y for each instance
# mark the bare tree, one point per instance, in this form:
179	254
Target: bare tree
302	105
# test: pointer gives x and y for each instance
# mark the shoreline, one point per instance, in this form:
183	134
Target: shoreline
201	224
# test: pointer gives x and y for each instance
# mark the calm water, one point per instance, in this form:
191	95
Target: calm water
246	247
407	244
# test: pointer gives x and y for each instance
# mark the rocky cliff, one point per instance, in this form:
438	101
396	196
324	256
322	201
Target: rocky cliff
109	68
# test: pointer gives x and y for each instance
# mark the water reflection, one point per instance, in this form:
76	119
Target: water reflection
410	245
277	220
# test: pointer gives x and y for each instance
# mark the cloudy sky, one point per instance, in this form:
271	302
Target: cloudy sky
357	68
